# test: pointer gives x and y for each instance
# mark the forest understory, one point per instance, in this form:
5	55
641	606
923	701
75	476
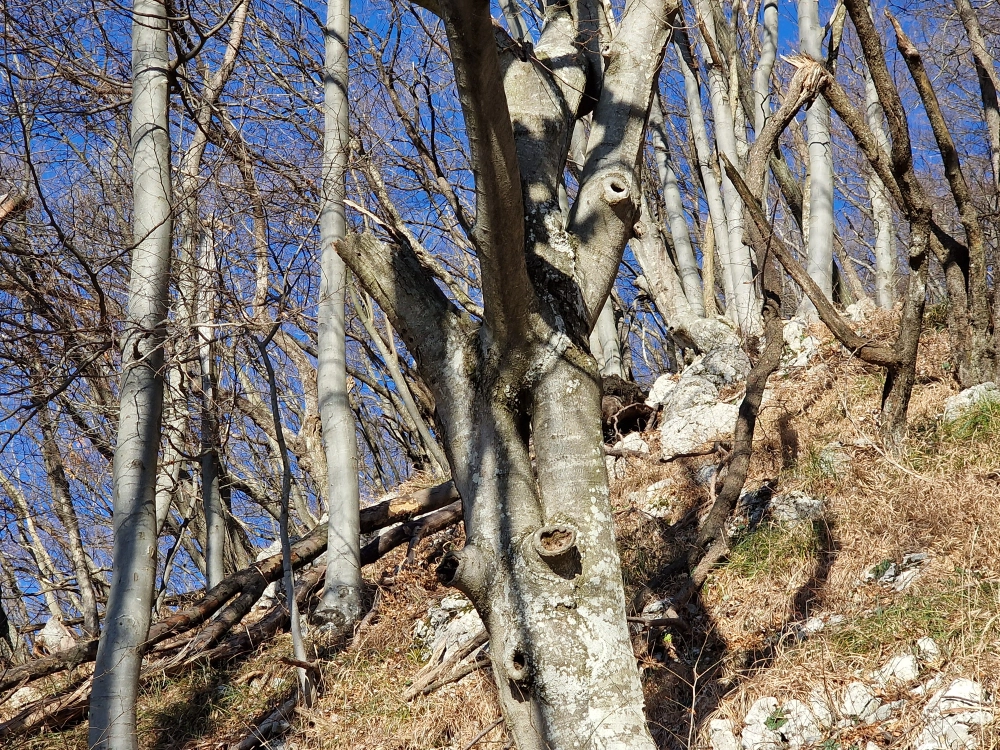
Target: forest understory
904	548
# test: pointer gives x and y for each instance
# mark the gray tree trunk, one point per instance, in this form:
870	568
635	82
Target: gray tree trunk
820	223
988	82
882	215
703	149
63	502
604	343
216	521
126	621
341	604
540	561
687	264
746	311
762	74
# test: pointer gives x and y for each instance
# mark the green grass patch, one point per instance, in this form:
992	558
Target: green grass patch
960	606
970	441
775	549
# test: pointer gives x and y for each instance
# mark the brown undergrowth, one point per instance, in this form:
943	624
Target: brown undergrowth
938	493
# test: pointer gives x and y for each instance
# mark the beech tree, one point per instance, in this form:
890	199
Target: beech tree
127	616
540	562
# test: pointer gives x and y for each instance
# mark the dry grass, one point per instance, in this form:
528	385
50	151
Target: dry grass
938	493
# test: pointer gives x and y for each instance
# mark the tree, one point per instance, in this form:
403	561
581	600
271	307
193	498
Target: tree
540	562
126	619
341	605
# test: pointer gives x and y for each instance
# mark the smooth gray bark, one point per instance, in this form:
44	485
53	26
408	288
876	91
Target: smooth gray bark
341	604
66	512
988	82
540	561
762	74
882	215
126	621
687	264
604	343
746	311
216	523
703	150
820	223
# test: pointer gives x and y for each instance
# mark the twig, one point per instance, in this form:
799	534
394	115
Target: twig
485	732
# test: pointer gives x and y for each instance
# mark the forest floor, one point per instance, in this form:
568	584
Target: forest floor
799	610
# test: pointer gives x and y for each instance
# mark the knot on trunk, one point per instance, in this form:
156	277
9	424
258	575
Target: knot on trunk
556	546
465	569
515	663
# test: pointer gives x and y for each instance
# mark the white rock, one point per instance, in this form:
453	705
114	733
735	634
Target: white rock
690	391
956	405
802	728
761	710
899	670
22	697
633	442
796	506
943	733
859	311
692	428
932	684
759	737
819	704
872	746
721	735
55	636
859	702
962	701
721	366
928	650
661	388
885	711
448	625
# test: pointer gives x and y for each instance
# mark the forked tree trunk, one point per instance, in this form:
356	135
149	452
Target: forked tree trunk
540	562
341	604
126	620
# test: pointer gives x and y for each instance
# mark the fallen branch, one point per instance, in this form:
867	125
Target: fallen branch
248	584
433	676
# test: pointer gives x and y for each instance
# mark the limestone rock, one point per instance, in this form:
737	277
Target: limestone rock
690	429
899	670
722	366
661	389
802	728
54	636
796	506
928	650
721	735
955	406
633	442
447	626
761	710
859	703
690	391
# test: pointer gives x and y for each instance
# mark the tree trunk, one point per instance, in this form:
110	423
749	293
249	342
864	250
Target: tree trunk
885	225
604	343
988	84
63	502
820	224
341	604
687	265
126	621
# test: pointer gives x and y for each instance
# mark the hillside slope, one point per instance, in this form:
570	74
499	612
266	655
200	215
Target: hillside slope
846	560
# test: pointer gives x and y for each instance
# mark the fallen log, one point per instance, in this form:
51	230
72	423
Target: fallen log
248	584
204	647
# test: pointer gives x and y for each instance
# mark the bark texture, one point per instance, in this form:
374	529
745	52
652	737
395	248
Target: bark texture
341	605
126	621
